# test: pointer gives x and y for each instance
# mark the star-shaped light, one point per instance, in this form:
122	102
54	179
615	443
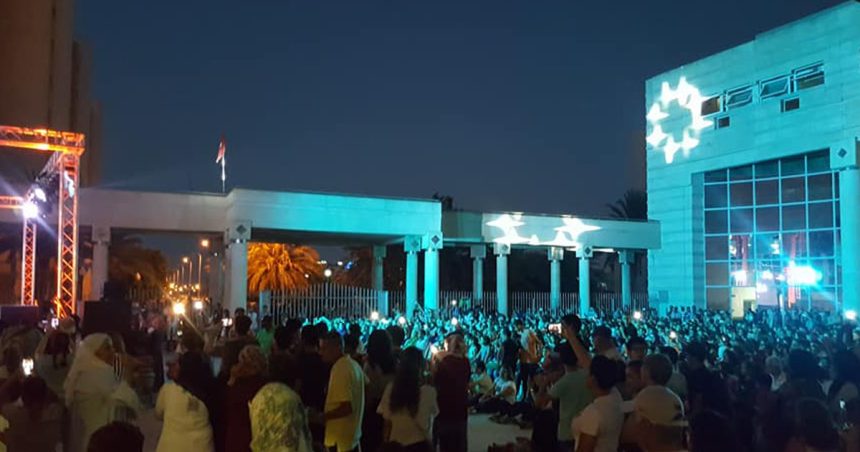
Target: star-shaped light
508	224
568	234
688	97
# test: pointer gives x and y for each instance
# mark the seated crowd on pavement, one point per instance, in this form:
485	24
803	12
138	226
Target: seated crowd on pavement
688	379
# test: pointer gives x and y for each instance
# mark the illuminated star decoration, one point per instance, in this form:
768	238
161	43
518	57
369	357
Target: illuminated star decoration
568	234
508	224
687	97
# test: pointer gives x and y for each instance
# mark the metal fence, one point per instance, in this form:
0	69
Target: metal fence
526	301
330	300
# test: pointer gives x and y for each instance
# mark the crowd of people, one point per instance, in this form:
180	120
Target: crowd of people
688	379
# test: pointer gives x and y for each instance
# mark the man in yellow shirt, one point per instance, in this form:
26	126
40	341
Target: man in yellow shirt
344	403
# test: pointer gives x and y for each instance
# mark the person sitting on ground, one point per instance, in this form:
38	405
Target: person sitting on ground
116	436
481	385
504	394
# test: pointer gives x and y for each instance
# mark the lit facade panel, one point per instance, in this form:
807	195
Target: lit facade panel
777	167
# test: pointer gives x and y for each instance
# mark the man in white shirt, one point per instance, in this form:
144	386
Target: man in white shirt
598	427
659	420
344	403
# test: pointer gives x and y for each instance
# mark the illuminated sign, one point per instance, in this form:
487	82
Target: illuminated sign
688	98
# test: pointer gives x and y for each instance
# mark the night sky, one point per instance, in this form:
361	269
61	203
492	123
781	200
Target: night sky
505	105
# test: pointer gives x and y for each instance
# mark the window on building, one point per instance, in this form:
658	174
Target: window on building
739	97
790	104
741	194
809	77
767	192
711	106
774	87
715	196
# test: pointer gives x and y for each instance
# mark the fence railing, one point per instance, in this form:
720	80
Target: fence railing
526	301
330	300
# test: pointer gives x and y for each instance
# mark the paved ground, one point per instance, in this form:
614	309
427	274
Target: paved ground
482	432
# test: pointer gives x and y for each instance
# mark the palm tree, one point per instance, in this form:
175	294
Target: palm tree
276	266
633	205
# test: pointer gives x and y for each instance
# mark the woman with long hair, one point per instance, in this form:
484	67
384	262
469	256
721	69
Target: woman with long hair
185	406
35	424
246	378
409	404
379	368
92	392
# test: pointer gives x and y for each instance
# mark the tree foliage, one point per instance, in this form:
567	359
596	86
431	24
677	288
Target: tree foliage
276	266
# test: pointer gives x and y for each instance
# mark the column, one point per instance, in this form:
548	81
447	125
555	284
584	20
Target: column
584	254
849	195
555	255
431	279
478	252
625	257
502	250
237	275
101	244
411	246
379	253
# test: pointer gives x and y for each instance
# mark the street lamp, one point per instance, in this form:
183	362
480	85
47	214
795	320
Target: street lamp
327	273
204	243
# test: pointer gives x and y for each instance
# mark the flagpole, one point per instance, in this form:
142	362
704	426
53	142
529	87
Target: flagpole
223	175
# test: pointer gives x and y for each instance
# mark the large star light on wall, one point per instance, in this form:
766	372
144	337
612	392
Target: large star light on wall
508	224
568	234
688	98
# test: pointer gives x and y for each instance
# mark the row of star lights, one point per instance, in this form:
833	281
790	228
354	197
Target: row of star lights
566	235
687	97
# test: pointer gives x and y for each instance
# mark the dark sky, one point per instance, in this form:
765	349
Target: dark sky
506	105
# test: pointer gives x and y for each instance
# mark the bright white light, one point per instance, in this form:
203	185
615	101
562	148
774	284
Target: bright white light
761	288
327	273
40	194
179	308
508	224
454	321
568	234
767	274
434	349
673	335
851	315
340	263
774	247
401	320
70	184
30	210
801	275
687	97
374	316
453	302
198	305
637	315
740	277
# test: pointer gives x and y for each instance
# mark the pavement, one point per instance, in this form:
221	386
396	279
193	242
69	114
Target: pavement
482	432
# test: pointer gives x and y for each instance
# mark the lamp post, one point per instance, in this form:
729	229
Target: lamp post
204	243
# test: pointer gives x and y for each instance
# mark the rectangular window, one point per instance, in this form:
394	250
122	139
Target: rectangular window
741	173
715	196
766	192
794	245
820	187
716	176
821	215
740	247
717	274
767	246
821	244
741	220
716	222
767	218
793	166
741	194
717	248
723	122
718	298
809	77
790	104
767	169
739	97
793	218
711	106
818	162
793	190
774	87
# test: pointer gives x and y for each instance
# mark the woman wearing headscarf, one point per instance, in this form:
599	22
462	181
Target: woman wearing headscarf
184	405
278	421
247	376
93	394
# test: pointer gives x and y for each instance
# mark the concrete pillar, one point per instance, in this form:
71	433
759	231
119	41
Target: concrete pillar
411	246
584	254
379	253
236	269
626	257
478	252
502	250
555	255
431	279
849	205
237	275
101	260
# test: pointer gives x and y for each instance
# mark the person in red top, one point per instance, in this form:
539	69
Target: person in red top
451	373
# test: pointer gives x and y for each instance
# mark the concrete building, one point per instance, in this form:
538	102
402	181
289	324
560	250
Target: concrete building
752	162
45	82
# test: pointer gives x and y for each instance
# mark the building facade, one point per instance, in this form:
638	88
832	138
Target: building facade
752	161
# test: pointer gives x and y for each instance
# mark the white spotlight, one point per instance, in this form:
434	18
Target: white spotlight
637	315
179	308
30	210
198	305
401	320
454	321
40	194
851	315
374	316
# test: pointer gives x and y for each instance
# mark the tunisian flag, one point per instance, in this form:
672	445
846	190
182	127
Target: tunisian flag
222	151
